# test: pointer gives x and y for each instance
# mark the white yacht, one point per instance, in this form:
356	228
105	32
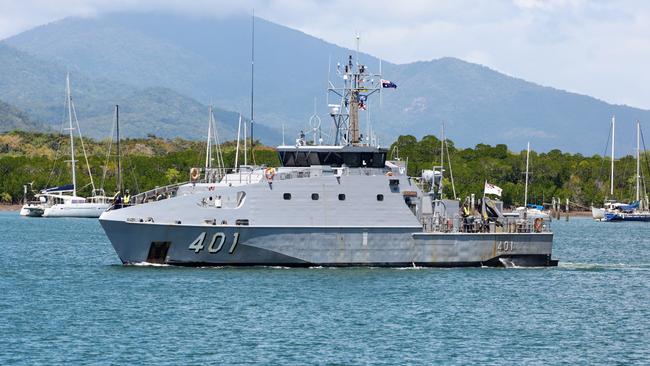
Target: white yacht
63	201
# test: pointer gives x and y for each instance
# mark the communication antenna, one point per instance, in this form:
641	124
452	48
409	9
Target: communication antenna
314	123
358	41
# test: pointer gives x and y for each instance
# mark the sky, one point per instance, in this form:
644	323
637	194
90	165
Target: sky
595	47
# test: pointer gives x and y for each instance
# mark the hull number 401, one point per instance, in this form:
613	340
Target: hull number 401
214	244
505	246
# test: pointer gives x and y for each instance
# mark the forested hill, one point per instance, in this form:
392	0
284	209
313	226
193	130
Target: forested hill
149	162
208	60
37	87
12	118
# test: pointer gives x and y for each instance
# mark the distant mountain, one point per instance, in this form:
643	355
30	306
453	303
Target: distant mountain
209	60
38	87
12	118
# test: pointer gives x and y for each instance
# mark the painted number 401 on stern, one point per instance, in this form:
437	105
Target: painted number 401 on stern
215	244
505	246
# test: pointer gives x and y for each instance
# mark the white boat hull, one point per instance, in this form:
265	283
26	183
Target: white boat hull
31	211
76	210
598	213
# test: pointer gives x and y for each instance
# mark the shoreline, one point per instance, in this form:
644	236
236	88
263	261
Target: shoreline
9	208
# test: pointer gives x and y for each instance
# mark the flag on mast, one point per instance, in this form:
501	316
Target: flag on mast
388	84
491	189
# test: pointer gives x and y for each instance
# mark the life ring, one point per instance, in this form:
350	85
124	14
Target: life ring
194	174
538	225
269	173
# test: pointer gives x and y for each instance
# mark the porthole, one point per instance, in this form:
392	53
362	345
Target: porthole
286	196
380	197
341	196
314	196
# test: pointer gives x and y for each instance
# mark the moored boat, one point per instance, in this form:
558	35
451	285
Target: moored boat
63	201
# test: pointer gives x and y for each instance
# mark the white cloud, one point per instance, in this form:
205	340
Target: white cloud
600	48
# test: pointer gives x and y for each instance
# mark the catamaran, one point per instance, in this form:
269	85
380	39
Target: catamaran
63	201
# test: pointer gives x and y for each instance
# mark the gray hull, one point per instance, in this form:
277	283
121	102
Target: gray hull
216	245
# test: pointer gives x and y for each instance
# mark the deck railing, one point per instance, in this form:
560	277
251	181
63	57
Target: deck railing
478	225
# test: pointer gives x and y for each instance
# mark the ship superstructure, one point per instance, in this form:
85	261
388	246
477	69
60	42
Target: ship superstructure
342	204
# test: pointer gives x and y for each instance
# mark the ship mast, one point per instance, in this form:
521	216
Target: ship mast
358	86
353	133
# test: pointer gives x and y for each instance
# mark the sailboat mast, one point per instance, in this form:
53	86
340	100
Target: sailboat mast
252	81
208	150
611	179
69	97
119	152
238	139
442	157
245	147
526	185
638	156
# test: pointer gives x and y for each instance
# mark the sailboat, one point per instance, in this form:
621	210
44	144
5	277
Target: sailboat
598	213
528	210
214	177
63	201
636	211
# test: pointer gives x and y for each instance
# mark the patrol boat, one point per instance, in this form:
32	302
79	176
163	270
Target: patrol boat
343	204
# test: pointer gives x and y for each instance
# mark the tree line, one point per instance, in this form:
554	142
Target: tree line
43	160
584	180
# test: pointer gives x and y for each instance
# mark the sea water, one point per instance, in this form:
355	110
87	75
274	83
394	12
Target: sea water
66	299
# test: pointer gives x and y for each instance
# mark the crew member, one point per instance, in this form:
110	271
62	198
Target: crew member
127	197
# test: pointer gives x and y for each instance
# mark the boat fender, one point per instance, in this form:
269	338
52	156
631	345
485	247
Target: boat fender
194	174
269	173
538	225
